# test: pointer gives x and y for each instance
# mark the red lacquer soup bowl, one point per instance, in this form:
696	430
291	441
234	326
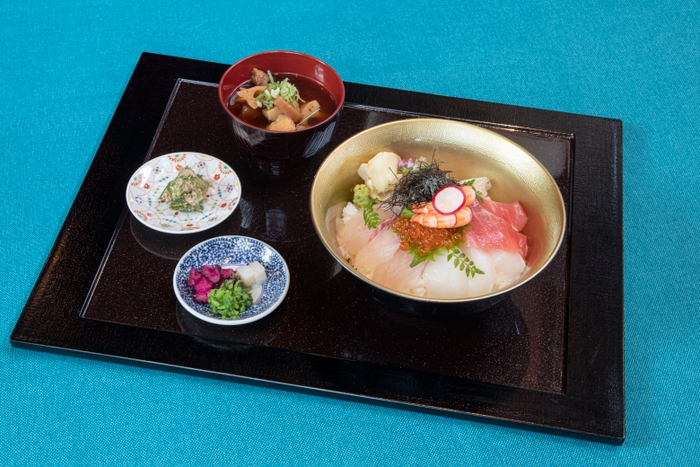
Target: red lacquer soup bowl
314	79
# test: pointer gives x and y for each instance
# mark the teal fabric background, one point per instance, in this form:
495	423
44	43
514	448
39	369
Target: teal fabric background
64	65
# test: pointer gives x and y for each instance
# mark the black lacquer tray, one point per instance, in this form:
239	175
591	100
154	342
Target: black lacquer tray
549	357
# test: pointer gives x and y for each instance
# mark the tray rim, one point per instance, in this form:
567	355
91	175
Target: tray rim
592	406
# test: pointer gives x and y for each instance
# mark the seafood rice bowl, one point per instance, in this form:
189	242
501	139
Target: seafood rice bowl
437	211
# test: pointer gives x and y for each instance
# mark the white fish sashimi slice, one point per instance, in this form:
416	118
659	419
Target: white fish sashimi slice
384	214
379	250
333	213
397	274
352	235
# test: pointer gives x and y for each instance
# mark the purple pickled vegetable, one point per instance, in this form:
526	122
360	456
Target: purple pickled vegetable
202	297
193	277
211	273
203	285
205	279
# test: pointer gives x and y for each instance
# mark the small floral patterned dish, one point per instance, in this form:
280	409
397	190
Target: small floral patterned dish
148	183
232	252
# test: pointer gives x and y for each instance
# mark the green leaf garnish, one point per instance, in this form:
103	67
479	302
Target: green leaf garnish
463	262
370	215
470	183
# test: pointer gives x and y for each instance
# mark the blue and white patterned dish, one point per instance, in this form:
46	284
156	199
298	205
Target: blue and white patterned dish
233	251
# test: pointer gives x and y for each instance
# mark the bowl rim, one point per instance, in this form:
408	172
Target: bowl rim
343	262
339	104
232	322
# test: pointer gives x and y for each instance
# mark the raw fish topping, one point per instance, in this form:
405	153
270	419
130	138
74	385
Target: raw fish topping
412	227
497	226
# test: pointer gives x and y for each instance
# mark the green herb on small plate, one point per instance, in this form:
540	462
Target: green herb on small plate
230	300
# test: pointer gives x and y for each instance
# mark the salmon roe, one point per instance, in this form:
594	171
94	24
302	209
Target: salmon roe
424	239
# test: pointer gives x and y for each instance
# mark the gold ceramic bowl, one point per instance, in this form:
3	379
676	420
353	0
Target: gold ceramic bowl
468	151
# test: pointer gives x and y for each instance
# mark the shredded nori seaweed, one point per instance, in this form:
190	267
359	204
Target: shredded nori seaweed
419	186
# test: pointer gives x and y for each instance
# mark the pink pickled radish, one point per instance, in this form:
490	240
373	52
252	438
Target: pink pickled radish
203	285
193	277
202	297
449	199
226	273
211	272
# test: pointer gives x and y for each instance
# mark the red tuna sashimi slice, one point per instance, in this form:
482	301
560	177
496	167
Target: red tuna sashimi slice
513	213
493	227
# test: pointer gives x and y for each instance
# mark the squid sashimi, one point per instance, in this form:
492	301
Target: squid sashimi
397	274
490	231
443	280
509	268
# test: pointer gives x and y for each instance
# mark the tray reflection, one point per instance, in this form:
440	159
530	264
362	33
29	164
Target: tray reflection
260	332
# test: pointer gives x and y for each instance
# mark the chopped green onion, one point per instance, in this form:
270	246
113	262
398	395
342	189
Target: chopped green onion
275	89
